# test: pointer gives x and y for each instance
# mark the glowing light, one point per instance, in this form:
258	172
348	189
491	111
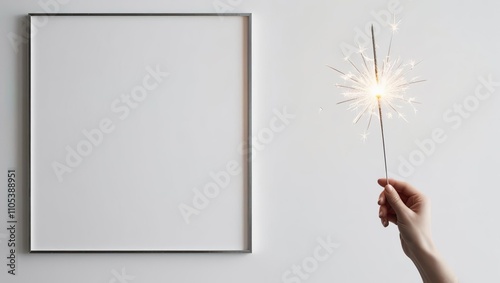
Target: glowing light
394	25
378	91
371	88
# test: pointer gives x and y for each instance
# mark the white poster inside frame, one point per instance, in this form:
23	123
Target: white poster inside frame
140	132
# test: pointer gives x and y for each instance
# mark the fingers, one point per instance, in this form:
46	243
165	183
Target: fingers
400	186
394	200
385	221
386	215
382	213
381	198
393	218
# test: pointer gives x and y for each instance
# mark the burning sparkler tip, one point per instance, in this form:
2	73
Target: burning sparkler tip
371	87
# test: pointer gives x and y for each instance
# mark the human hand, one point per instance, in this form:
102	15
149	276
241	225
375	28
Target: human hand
405	206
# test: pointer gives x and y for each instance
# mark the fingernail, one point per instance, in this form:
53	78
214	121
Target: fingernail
389	188
380	214
379	200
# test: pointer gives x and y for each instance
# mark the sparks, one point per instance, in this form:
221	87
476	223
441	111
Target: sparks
371	88
364	136
395	24
370	84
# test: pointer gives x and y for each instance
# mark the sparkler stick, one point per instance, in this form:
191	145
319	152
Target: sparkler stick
378	95
383	140
369	88
375	59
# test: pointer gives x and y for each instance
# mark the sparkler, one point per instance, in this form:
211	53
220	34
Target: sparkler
371	88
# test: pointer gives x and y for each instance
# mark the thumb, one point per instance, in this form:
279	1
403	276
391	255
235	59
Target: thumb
394	200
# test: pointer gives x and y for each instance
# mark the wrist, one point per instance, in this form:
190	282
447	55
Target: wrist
420	246
423	255
423	249
431	265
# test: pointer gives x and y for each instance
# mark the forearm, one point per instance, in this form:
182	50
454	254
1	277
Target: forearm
431	266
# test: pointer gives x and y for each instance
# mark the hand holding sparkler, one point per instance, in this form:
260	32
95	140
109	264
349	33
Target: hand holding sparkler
406	207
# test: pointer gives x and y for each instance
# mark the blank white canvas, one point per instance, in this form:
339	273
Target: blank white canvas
125	194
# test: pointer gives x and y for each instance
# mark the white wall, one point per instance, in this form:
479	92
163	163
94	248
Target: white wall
316	179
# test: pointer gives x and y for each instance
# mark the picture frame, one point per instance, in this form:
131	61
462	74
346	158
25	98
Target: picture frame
140	132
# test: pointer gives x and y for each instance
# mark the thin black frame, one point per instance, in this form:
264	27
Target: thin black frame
248	138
